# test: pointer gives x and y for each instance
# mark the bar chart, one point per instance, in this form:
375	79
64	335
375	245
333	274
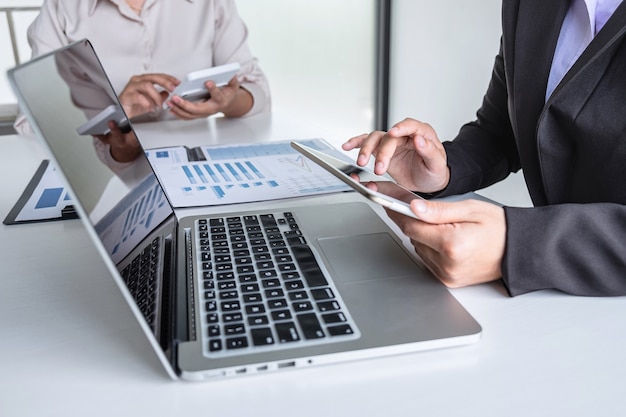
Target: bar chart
241	173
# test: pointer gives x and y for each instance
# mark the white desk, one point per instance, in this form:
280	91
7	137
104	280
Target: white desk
69	345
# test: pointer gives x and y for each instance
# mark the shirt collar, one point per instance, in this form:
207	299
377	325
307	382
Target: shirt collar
93	3
599	12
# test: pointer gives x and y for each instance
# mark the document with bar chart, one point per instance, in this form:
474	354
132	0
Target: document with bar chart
215	175
45	198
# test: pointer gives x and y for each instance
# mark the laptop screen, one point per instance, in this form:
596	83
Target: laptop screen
69	102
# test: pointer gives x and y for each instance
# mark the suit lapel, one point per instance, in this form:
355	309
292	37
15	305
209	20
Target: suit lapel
556	135
537	30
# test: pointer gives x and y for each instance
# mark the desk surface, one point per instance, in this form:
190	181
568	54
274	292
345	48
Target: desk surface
70	345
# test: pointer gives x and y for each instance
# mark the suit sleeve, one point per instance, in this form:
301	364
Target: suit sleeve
484	151
574	248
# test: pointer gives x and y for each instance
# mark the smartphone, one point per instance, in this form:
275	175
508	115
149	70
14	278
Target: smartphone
192	87
376	188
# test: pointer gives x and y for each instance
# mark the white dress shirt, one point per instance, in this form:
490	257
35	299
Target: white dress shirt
169	36
174	37
584	19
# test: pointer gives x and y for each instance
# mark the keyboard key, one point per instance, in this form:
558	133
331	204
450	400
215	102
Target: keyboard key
214	330
342	330
308	264
298	295
231	317
233	329
310	326
255	309
228	295
270	283
333	318
328	306
215	345
258	320
276	304
323	294
216	222
227	285
236	343
294	285
230	306
250	288
302	306
281	315
268	220
290	275
252	298
287	332
262	336
274	293
243	261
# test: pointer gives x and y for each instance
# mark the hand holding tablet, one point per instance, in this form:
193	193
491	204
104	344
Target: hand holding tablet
381	190
192	87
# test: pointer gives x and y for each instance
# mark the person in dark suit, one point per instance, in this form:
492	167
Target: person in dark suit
555	108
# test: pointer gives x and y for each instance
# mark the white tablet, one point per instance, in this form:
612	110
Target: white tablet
99	124
381	190
192	87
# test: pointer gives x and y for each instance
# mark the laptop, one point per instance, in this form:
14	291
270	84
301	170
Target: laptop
282	286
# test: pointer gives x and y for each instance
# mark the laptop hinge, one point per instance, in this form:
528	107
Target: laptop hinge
191	297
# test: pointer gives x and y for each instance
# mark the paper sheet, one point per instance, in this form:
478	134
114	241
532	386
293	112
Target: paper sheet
216	175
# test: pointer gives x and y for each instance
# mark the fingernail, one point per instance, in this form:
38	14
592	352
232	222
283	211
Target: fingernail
420	206
380	167
362	160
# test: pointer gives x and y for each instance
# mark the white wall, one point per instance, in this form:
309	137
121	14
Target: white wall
21	20
319	57
441	60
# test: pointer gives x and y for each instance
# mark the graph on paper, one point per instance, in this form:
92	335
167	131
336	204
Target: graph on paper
214	175
44	198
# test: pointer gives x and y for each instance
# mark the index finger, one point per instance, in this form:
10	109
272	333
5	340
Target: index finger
168	82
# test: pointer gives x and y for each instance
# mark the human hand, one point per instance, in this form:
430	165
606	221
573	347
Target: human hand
462	243
230	99
125	146
410	151
140	96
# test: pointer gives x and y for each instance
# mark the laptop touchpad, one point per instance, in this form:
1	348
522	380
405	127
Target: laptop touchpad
367	257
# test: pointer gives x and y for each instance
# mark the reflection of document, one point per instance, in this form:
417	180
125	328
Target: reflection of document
45	198
133	218
215	175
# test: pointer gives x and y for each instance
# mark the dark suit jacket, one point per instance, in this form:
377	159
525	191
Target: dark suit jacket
572	150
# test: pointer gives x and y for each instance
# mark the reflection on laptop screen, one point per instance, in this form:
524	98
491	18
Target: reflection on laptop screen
68	98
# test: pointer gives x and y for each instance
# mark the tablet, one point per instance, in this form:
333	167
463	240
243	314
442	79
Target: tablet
381	190
192	87
99	124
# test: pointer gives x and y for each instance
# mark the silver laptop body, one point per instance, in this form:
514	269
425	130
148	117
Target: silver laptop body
239	292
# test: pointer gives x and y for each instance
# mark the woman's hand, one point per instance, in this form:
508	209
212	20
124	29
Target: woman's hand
232	100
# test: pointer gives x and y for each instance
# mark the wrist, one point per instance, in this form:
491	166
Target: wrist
241	104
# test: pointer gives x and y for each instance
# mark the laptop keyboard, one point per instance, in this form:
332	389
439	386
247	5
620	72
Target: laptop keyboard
262	287
141	278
